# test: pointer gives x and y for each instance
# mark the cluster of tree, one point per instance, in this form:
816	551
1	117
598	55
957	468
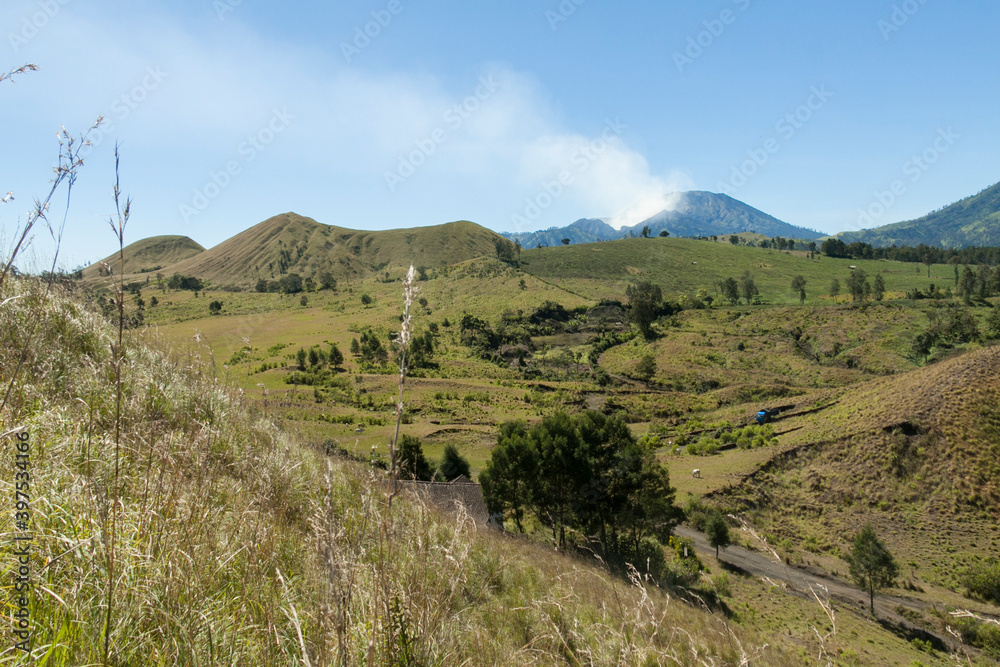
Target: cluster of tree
370	349
982	283
950	326
586	474
294	283
860	287
413	465
317	356
732	289
486	342
506	250
374	354
923	254
646	305
177	281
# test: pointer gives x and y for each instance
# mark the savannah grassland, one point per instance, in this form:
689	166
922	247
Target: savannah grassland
930	493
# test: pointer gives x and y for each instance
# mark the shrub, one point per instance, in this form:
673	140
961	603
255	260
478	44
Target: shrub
982	581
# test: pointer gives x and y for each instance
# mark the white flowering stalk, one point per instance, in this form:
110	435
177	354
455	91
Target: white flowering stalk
405	334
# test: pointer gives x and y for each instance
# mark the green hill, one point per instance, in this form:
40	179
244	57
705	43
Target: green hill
148	255
684	266
290	243
973	221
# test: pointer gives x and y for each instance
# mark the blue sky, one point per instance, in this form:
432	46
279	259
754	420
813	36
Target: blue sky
516	115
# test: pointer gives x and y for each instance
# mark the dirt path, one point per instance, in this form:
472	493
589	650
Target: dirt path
797	581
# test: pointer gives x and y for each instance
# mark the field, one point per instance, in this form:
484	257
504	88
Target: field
714	368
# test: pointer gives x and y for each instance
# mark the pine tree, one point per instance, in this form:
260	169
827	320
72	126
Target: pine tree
871	565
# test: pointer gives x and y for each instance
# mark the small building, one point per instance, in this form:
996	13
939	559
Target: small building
448	496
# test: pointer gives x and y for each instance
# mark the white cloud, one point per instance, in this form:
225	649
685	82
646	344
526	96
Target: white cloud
503	137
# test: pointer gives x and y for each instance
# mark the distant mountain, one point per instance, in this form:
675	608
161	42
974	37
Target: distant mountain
696	214
291	243
585	230
147	255
973	221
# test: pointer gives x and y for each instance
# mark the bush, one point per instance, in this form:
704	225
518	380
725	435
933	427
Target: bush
982	581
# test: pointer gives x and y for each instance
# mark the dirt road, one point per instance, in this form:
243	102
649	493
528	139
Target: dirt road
797	581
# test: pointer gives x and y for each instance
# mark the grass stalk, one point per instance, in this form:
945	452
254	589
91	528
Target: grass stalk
118	227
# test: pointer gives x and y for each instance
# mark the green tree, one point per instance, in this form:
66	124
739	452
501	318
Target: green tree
646	368
366	300
327	281
585	472
412	462
453	464
717	531
748	288
509	476
993	323
335	356
878	288
834	288
664	233
967	284
300	356
313	357
261	285
871	565
291	284
355	347
646	231
734	239
645	300
215	307
857	285
730	290
799	285
304	300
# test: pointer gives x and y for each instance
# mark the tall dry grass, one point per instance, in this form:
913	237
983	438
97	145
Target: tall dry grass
238	546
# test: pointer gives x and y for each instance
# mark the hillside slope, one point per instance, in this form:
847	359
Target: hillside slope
973	221
290	243
148	255
916	454
233	540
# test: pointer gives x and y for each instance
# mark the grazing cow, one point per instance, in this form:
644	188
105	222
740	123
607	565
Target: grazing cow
696	473
359	430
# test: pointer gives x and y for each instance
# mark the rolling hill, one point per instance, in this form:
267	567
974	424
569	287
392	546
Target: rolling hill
290	243
148	255
973	221
697	214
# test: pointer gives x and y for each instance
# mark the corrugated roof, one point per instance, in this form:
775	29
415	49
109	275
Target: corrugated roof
449	495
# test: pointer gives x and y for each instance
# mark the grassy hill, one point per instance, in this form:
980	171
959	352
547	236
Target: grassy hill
229	540
290	243
148	255
973	221
915	454
684	266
